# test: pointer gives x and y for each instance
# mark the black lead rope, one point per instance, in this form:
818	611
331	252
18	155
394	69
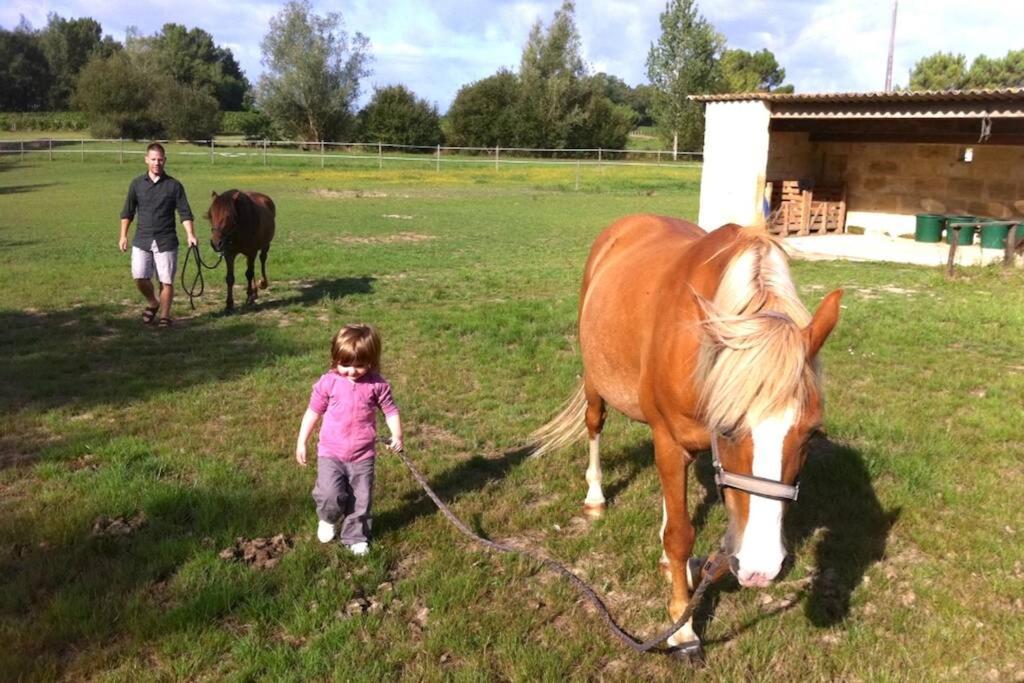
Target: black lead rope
710	570
193	249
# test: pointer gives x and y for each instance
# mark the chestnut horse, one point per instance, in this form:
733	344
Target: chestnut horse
701	336
242	223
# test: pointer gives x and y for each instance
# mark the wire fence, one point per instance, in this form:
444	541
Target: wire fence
265	152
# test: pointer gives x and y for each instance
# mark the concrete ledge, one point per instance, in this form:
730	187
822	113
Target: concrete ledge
874	247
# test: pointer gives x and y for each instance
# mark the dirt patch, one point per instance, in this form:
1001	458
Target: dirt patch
118	526
385	239
431	435
348	194
259	553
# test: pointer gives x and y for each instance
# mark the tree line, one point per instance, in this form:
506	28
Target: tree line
178	82
948	71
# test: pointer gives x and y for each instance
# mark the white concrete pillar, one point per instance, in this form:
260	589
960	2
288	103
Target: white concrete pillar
735	161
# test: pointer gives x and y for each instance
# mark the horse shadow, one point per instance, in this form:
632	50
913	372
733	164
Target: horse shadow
839	512
316	292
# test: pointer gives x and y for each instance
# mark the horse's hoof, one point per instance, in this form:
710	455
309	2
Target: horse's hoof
691	652
594	510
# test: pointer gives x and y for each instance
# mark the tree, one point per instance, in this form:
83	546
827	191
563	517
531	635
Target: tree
986	72
550	74
116	96
603	123
744	71
191	58
313	72
683	62
396	116
940	71
68	45
25	75
483	113
185	112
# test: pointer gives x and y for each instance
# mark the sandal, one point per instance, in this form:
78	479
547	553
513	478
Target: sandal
149	315
165	323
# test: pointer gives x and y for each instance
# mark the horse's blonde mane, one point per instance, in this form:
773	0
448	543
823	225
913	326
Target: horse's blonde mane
753	363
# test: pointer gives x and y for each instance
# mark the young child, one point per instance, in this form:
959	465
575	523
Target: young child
347	396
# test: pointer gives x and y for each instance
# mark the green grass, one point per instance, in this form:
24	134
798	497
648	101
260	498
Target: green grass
906	537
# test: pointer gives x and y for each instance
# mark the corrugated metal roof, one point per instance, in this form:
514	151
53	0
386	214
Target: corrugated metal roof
993	94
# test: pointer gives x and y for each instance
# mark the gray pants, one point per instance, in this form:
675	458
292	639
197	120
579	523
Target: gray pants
344	490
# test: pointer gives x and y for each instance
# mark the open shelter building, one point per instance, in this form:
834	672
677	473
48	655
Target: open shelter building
880	157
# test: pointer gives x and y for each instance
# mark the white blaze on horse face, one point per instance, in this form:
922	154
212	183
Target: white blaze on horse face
761	553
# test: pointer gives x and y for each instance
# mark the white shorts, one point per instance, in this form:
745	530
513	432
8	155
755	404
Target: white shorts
165	262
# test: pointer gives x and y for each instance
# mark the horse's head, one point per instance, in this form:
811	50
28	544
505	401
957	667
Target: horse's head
762	403
223	217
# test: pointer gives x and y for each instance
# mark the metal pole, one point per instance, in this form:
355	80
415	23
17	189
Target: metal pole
438	158
264	151
380	155
598	156
83	151
497	156
892	42
211	150
120	156
51	149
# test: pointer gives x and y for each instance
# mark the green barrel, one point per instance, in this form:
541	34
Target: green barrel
928	227
994	236
966	233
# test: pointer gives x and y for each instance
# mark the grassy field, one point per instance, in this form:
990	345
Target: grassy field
131	458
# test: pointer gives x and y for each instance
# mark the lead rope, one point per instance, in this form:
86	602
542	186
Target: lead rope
710	570
200	264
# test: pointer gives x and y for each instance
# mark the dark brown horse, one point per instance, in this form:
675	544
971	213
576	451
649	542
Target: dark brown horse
702	336
242	223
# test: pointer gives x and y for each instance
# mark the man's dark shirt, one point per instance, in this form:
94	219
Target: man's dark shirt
155	203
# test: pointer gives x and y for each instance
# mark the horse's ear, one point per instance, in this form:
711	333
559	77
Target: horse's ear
821	325
213	194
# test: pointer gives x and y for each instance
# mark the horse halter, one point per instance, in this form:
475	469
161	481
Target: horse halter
758	486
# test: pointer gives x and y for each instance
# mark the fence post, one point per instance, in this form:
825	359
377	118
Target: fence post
23	150
51	149
83	150
120	154
438	158
497	156
380	155
577	174
264	151
598	156
321	154
211	150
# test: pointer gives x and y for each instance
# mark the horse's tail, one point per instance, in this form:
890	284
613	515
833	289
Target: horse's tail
565	428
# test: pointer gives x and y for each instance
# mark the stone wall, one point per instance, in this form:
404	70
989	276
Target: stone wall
888	184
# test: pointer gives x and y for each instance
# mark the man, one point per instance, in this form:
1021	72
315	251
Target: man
155	196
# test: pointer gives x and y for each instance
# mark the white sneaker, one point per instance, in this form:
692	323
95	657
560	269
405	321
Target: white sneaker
360	548
325	531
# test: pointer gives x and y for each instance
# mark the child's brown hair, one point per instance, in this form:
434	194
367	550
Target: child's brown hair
356	344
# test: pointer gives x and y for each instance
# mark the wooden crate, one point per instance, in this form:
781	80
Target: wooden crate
797	207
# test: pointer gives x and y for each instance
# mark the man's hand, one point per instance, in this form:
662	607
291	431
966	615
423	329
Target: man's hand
123	243
192	241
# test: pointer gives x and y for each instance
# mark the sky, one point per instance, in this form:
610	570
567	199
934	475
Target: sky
436	46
